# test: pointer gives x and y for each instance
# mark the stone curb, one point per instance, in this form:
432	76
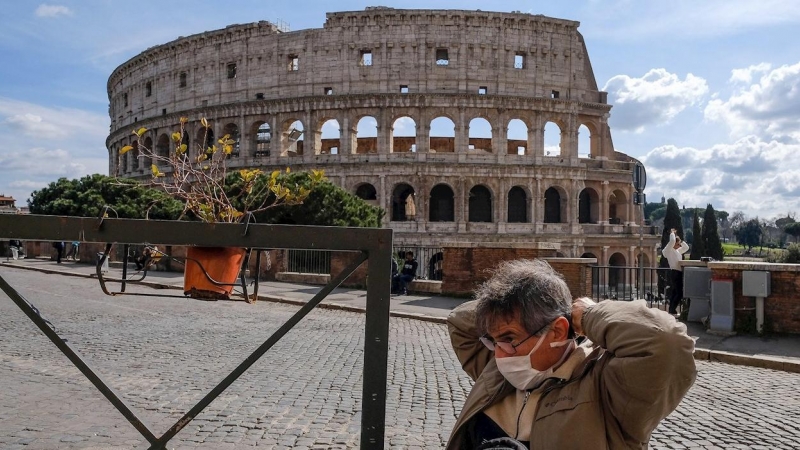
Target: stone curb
702	354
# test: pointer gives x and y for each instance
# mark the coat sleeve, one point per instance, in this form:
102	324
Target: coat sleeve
464	337
684	247
651	366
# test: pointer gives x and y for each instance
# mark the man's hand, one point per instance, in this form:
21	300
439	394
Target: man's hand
579	305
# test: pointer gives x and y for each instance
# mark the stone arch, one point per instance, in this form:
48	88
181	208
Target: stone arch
616	271
479	135
292	137
204	138
123	159
552	138
586	141
366	135
135	156
480	204
441	207
400	195
589	255
330	137
262	138
642	260
147	161
366	191
518	205
588	206
617	207
403	135
232	130
162	149
555	207
442	135
517	137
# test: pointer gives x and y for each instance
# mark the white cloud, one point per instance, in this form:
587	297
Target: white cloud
405	126
45	10
654	99
45	143
746	75
757	176
769	107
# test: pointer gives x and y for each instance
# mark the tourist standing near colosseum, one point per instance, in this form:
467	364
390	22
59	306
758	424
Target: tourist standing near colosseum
539	386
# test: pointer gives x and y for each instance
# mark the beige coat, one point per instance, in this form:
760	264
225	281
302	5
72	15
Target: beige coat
638	371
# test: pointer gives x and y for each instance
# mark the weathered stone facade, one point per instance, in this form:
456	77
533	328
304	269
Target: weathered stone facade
256	82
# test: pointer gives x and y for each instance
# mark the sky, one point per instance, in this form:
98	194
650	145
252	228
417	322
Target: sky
705	93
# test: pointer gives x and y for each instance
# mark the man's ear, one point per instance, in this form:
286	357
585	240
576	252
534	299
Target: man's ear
561	329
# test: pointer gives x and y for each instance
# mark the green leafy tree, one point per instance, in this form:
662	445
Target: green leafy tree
793	230
749	233
711	244
698	243
792	254
87	196
326	204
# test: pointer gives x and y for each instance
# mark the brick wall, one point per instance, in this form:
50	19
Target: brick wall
466	268
575	272
781	308
340	260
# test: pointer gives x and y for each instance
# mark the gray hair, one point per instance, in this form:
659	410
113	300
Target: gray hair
528	290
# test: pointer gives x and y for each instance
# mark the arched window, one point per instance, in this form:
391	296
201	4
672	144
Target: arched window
552	139
330	137
147	161
162	150
233	131
617	207
404	135
400	203
584	142
366	191
552	206
517	137
480	204
263	140
517	205
480	135
292	138
442	135
367	135
588	206
135	155
441	207
205	137
436	266
616	275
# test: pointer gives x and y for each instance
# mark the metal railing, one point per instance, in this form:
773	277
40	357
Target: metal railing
308	261
631	283
430	260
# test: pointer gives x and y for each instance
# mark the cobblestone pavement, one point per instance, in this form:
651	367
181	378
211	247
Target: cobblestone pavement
162	355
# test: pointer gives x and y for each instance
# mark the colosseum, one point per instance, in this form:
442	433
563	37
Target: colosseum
437	116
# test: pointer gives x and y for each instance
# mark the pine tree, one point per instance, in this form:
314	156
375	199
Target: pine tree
698	243
713	246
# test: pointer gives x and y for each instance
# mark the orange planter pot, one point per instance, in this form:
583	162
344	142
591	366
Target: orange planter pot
221	263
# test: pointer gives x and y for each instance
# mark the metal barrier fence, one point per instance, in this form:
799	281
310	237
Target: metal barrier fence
631	283
430	259
308	261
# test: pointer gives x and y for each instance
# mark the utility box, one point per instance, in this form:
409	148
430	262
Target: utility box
697	288
755	283
721	305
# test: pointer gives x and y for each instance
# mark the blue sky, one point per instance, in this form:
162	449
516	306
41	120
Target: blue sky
706	93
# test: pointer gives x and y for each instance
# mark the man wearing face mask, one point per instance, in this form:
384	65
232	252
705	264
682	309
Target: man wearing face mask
538	384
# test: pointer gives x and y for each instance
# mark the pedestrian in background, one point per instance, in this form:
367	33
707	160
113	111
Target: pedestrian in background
674	251
73	251
15	246
59	246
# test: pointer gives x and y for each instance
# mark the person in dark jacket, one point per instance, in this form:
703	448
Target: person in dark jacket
59	246
408	273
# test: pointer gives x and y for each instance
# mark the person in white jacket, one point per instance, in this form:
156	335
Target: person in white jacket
674	251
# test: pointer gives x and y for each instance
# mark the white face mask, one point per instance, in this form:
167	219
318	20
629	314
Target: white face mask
518	371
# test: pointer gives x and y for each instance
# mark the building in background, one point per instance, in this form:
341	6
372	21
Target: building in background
449	106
